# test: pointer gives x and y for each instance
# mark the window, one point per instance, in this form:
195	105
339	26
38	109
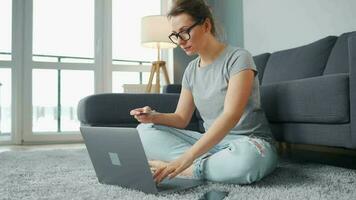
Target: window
5	101
72	91
5	33
63	29
127	51
50	49
126	29
122	78
44	100
55	97
5	66
63	55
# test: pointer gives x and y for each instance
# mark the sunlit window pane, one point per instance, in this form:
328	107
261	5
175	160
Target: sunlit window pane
46	117
129	82
5	29
126	29
44	100
121	78
5	101
63	28
73	89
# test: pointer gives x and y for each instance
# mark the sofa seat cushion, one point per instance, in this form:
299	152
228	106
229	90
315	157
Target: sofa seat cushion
323	99
298	63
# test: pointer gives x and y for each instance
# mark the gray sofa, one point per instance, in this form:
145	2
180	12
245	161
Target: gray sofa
308	94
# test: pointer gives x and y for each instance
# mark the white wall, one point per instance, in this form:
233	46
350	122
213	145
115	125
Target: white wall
280	24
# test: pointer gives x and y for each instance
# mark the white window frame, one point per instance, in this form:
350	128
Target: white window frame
6	65
22	66
14	74
28	135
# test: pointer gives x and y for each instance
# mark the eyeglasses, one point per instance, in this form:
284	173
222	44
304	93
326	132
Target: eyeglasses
183	35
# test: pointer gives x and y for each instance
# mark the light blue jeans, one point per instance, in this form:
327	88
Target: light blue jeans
236	159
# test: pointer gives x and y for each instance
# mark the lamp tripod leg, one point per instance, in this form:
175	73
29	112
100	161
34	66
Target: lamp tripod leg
165	73
149	85
158	85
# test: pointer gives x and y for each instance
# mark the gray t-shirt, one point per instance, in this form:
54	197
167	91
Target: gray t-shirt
209	84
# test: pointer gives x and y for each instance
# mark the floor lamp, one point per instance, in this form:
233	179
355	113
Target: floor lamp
154	34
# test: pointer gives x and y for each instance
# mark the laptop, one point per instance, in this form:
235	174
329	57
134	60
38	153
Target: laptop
119	159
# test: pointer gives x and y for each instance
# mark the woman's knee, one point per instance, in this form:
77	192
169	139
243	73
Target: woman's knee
148	134
159	143
150	127
142	127
235	174
241	166
149	139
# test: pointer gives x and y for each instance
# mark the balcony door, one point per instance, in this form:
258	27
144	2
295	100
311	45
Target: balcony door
54	53
6	70
59	47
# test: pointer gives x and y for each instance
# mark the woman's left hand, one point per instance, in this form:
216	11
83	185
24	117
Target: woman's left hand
173	168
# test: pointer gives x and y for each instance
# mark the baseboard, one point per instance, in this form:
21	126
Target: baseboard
317	148
341	157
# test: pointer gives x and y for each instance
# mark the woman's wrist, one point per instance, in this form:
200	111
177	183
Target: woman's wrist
154	116
190	154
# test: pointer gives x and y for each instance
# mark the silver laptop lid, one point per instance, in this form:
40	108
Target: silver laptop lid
118	157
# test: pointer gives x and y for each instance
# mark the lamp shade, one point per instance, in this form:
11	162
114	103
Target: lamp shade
154	32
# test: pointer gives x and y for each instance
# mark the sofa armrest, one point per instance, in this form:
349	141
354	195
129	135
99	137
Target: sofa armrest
113	108
352	70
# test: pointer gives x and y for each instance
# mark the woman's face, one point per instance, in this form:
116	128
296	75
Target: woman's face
183	22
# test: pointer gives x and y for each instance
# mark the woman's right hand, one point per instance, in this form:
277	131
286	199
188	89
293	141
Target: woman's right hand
144	114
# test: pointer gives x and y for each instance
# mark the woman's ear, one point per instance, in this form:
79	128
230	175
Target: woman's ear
207	25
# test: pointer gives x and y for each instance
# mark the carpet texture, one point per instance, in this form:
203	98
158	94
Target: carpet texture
68	174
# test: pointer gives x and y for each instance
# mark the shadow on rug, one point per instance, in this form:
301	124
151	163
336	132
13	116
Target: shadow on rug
68	174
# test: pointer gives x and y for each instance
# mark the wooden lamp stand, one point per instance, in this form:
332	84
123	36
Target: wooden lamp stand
154	34
156	70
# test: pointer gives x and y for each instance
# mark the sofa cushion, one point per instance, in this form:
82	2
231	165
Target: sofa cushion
339	57
297	63
260	62
323	99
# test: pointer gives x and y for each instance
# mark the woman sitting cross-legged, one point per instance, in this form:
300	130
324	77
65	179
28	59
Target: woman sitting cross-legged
222	84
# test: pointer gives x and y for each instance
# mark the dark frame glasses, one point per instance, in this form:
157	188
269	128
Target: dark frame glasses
183	35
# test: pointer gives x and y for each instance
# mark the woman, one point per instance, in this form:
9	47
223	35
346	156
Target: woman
222	84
